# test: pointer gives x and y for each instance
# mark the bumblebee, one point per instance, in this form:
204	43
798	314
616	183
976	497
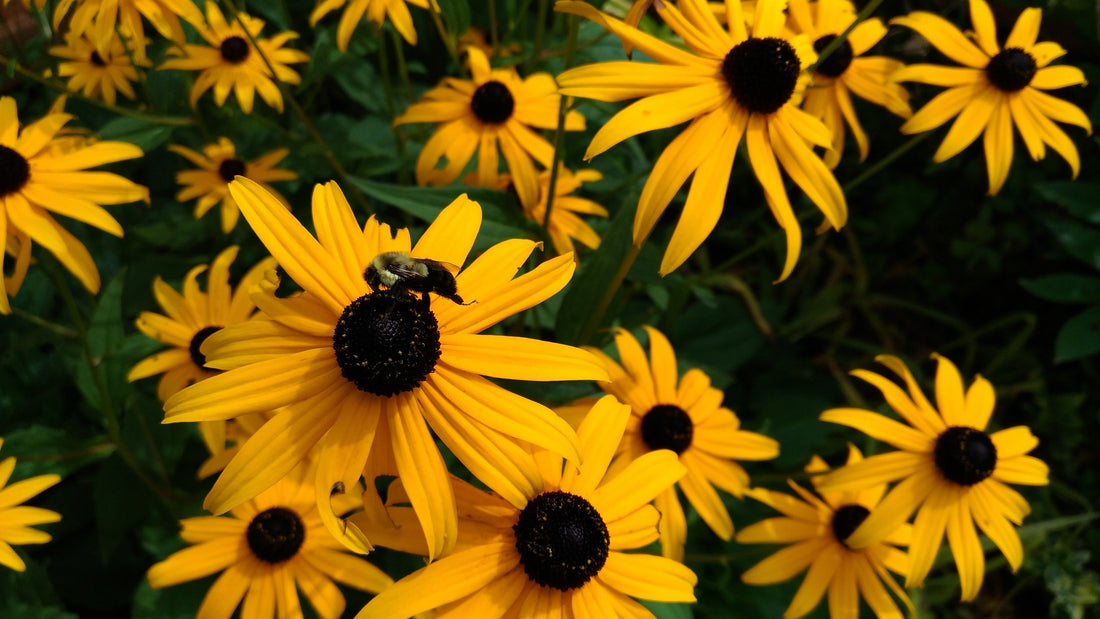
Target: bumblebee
397	270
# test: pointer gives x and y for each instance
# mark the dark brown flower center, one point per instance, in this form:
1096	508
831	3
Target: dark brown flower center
196	344
97	60
667	426
561	539
838	60
492	103
761	73
275	535
964	455
230	169
387	342
1011	69
847	519
14	171
234	50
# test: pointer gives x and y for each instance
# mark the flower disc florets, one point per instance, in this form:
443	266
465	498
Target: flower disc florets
14	171
667	426
492	103
234	49
196	344
762	73
1011	69
847	519
230	169
387	342
964	455
562	540
838	60
275	535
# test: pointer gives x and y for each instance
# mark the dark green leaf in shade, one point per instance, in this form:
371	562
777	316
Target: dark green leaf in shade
42	450
1079	198
121	503
105	337
590	282
1081	240
1079	337
1064	288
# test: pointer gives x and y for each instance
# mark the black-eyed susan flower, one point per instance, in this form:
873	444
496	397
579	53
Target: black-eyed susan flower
846	71
816	527
219	164
94	74
370	370
558	549
374	10
496	108
685	416
42	173
104	20
231	63
267	550
730	85
995	89
192	316
952	472
17	519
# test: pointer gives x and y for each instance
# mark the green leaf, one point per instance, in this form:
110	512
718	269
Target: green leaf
146	135
590	283
121	503
1080	240
456	14
1079	337
498	223
43	449
1077	197
1064	288
105	337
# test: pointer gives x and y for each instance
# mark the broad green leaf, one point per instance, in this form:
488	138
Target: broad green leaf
143	133
456	15
1064	288
1077	197
1079	337
1081	240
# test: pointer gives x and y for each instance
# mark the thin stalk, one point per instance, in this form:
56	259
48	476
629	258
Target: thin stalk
449	40
357	195
494	28
609	294
52	327
175	121
879	165
559	134
540	33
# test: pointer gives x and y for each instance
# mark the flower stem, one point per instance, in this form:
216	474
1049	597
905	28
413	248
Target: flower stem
540	32
609	294
879	165
559	134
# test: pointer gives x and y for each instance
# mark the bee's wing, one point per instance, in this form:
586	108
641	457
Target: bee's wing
453	269
403	271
